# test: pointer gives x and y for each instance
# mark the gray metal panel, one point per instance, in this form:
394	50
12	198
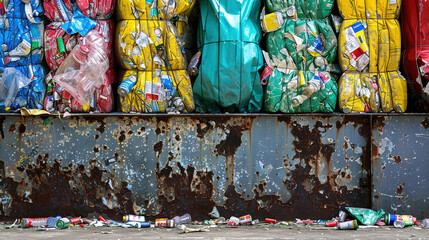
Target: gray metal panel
400	165
280	166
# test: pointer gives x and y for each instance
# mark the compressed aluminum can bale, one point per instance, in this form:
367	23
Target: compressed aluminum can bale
62	10
301	8
148	45
369	53
21	42
53	31
156	91
301	91
415	59
159	9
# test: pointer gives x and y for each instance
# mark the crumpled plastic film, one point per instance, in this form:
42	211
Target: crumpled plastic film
32	95
147	45
228	37
291	44
372	92
168	91
301	91
366	216
21	43
62	10
58	99
155	10
369	53
416	54
301	8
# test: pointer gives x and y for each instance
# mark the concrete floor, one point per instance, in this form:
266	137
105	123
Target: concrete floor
242	232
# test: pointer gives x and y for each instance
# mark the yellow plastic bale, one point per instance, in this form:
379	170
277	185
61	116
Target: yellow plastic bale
145	96
383	38
138	9
372	92
369	9
140	43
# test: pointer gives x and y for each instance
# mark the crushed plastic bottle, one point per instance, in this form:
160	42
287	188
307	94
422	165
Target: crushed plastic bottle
74	60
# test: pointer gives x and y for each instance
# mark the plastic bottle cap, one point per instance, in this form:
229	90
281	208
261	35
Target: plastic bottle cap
84	49
124	218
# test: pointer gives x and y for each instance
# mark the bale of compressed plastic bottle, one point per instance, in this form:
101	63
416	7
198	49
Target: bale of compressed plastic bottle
301	52
150	51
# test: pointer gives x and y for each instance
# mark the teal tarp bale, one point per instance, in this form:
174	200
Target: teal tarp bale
228	37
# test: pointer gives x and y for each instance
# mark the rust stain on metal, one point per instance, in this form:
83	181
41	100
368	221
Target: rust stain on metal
21	128
425	123
203	127
397	159
67	191
158	148
2	118
400	188
12	128
184	191
122	136
285	118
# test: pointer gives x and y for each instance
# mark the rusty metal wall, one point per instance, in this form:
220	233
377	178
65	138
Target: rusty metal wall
401	164
279	166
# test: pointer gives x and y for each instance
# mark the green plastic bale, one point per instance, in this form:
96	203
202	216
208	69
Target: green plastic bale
314	9
228	37
283	88
276	41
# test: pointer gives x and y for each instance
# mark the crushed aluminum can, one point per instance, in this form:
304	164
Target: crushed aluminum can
245	219
402	224
332	224
233	221
161	222
33	222
171	223
342	216
349	225
270	220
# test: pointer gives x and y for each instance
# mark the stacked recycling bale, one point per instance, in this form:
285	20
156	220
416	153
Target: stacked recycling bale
369	55
21	40
302	47
59	42
228	37
150	51
416	52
